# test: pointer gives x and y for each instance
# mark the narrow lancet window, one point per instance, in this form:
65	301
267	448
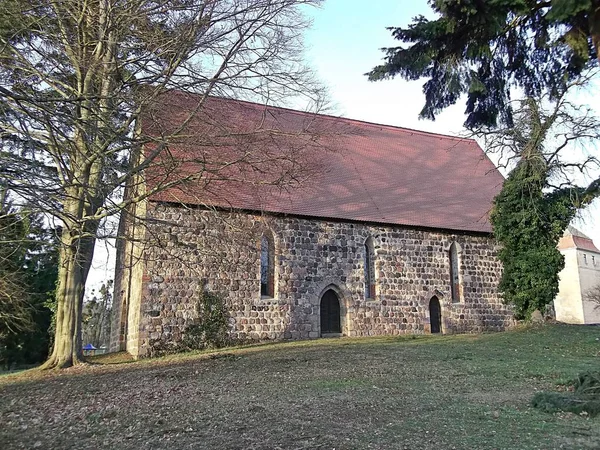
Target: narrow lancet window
267	271
454	273
369	269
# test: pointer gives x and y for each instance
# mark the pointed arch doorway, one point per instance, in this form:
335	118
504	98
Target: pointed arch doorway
331	323
435	315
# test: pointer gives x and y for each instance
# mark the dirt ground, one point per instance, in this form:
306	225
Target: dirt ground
463	392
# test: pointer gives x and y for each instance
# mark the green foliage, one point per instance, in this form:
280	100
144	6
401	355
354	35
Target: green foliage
584	399
528	223
482	48
209	330
28	272
211	327
588	383
14	21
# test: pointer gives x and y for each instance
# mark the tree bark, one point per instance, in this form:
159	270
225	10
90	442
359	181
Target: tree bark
75	259
103	62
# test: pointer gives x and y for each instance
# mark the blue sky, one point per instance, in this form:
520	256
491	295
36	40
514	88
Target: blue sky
344	43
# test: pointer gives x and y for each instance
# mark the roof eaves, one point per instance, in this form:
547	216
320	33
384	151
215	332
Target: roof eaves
462	231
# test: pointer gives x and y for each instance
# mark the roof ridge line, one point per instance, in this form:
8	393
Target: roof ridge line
332	117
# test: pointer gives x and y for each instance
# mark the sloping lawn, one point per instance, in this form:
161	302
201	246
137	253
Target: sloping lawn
442	392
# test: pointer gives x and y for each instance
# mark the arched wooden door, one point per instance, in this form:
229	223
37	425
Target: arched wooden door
435	315
330	313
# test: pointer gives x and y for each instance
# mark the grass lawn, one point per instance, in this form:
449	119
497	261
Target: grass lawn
425	392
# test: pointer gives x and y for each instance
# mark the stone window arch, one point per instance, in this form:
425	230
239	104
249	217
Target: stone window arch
267	265
369	268
455	255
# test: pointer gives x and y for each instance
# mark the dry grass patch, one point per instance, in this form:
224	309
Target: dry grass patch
470	391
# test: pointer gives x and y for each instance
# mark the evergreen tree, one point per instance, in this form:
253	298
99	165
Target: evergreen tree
536	202
483	48
528	224
28	272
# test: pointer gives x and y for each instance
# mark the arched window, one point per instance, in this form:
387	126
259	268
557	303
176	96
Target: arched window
267	266
369	269
454	272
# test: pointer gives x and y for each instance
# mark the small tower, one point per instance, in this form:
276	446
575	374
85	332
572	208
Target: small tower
581	273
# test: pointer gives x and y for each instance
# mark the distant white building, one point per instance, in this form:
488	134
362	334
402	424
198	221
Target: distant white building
581	273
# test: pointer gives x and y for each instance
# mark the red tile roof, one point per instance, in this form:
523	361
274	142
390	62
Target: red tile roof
585	244
580	242
350	170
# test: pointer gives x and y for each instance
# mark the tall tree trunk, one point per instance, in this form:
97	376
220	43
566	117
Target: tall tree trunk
75	259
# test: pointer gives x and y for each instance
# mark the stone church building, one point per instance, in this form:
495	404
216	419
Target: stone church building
377	230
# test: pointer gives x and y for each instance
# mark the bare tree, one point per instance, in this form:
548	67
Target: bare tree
96	316
561	132
15	313
78	77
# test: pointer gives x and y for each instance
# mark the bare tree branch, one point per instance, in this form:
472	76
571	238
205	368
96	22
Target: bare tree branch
78	80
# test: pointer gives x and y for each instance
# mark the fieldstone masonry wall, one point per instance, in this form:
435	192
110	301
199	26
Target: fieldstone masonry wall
195	249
